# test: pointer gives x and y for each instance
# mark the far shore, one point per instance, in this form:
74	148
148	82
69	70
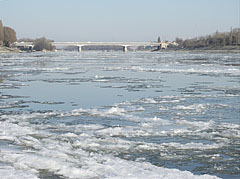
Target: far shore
201	51
236	50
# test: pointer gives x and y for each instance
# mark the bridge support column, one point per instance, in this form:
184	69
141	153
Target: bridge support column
79	48
125	48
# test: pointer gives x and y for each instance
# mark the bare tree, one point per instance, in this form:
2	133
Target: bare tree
9	36
238	37
1	33
231	37
43	44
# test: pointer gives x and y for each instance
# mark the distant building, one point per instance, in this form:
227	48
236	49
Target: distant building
23	46
164	45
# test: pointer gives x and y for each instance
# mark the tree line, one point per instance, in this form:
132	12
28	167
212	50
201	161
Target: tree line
7	35
215	40
40	44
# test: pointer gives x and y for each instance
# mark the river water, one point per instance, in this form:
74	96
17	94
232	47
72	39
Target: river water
119	115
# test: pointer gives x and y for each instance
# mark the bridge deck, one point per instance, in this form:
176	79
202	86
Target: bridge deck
107	43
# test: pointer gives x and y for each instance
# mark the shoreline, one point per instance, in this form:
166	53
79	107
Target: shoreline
235	51
200	51
8	50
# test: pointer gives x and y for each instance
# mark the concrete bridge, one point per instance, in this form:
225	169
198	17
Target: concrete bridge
124	45
79	45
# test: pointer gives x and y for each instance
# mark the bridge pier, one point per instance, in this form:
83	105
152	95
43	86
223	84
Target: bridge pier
125	48
79	48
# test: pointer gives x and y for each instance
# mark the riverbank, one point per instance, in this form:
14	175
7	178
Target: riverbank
201	51
9	50
226	49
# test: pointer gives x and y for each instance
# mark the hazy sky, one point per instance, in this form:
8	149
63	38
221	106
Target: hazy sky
118	20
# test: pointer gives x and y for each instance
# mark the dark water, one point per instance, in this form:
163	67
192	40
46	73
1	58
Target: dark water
119	115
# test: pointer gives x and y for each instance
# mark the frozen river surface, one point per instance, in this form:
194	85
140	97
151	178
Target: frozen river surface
119	115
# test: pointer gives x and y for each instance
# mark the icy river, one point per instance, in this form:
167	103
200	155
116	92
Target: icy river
119	115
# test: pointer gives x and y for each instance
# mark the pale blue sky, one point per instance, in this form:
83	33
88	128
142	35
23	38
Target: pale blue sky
118	20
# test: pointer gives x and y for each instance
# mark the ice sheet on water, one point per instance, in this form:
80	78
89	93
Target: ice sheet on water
115	110
8	172
87	150
192	107
187	122
90	165
194	70
192	145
